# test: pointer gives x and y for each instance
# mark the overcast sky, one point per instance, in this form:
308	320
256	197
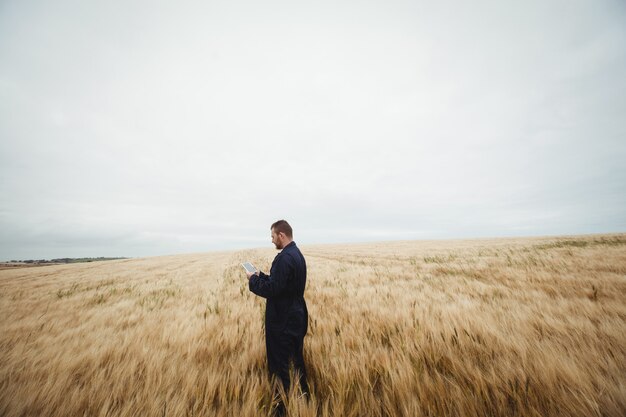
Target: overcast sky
141	128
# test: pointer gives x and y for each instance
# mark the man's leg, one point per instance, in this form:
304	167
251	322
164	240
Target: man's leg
278	353
298	364
278	366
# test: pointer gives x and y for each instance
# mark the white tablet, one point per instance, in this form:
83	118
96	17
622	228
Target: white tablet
249	267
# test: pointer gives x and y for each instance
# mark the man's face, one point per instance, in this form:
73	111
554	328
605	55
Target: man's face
277	240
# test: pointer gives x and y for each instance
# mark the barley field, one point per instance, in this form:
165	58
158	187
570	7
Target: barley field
499	327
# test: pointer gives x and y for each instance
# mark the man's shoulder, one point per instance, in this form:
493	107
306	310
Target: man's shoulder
291	248
294	255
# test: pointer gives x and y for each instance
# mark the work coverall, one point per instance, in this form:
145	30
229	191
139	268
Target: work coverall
286	315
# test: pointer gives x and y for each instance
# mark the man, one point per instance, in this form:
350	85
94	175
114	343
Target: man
286	315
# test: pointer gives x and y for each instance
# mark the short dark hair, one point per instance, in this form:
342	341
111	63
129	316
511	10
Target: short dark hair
283	226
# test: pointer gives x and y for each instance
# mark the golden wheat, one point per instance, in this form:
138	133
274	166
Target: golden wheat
503	327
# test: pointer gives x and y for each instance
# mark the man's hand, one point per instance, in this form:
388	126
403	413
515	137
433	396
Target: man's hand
250	274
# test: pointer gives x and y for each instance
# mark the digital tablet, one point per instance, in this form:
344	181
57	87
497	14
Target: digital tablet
249	267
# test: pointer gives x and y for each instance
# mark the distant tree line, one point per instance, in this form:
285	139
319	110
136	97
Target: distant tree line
65	260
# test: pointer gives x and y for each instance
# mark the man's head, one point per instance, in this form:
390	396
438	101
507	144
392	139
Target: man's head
282	234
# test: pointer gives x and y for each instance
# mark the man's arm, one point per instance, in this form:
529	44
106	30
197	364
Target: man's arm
267	286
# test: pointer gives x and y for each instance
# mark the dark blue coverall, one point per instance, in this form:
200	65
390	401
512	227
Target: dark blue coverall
286	315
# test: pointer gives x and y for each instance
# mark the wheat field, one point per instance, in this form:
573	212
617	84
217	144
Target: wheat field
500	327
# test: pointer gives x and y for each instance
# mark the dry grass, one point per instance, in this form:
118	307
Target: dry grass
517	327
